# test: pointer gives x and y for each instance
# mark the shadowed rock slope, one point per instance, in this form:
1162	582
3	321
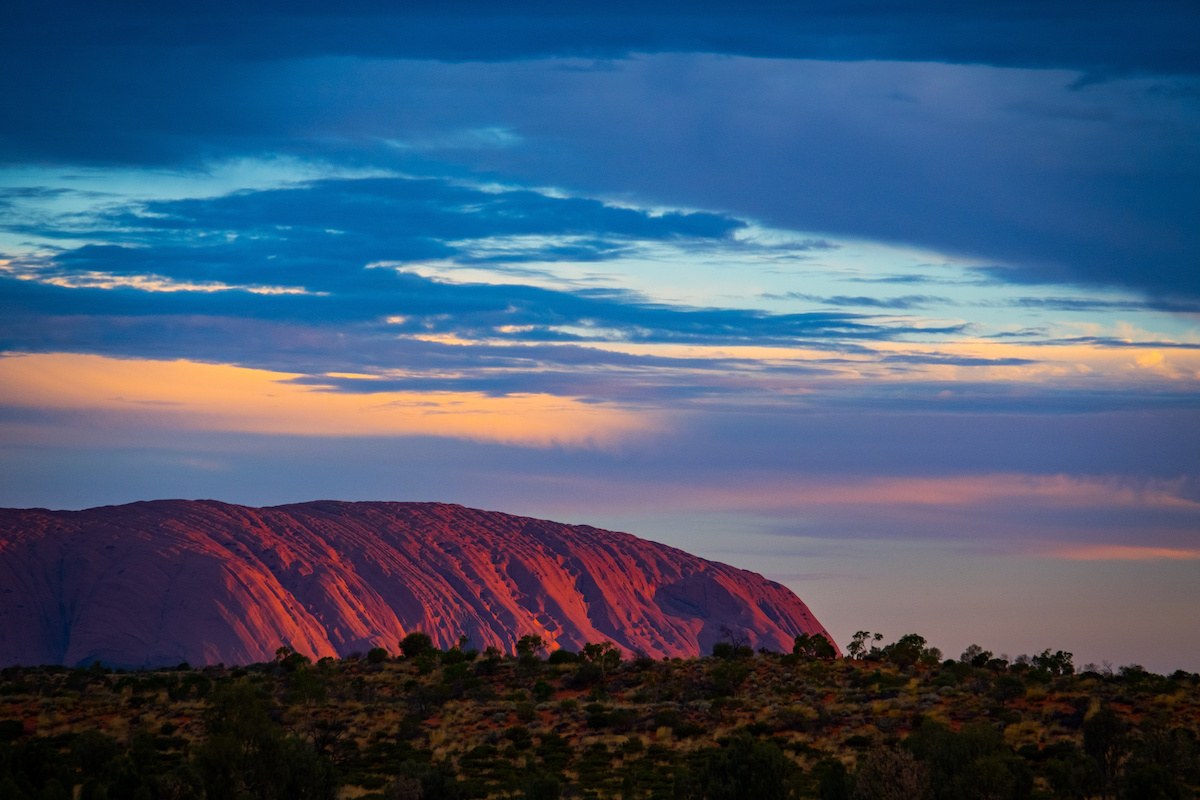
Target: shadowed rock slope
157	583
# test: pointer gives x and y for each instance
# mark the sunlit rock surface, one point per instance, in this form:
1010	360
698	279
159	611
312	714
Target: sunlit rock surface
158	583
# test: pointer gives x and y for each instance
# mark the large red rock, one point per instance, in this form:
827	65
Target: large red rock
157	583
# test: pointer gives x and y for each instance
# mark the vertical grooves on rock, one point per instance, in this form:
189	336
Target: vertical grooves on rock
202	581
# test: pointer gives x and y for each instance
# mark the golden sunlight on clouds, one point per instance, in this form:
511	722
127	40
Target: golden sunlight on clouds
1118	552
194	396
92	279
1059	363
898	361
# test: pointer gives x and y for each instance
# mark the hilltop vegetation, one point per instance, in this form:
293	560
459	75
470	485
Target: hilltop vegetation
887	721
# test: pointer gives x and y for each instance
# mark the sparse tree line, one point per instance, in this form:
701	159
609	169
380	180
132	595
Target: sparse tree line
887	720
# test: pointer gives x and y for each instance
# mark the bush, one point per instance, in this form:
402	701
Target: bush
746	768
562	656
889	774
814	646
416	644
11	729
728	676
543	787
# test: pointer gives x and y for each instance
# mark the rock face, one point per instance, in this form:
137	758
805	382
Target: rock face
157	583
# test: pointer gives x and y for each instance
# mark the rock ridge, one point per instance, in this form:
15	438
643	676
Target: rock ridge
156	583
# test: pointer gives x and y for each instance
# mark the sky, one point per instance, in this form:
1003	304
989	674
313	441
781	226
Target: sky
897	304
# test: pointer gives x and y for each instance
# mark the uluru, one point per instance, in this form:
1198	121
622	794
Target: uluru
162	582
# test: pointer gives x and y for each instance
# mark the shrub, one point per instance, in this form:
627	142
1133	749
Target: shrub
814	646
11	729
889	774
562	656
744	767
416	644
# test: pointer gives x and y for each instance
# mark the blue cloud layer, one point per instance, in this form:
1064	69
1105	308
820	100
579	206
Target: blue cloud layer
1102	35
320	239
1057	176
322	236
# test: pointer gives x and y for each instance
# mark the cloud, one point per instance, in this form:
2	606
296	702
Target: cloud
1090	185
465	281
357	253
1087	304
1104	36
902	303
951	360
1112	552
323	229
468	139
975	491
962	172
184	395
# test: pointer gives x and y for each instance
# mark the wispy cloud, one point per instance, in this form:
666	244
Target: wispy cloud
903	302
486	138
977	491
475	285
1112	552
1088	304
218	397
1008	512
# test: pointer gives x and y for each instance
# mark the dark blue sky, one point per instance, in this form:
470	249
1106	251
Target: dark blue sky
890	296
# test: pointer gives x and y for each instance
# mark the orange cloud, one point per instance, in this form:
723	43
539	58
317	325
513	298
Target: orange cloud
773	494
1061	364
220	397
1119	552
1047	490
972	490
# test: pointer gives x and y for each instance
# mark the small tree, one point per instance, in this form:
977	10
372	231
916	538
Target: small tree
290	660
248	754
1008	687
909	649
1057	663
814	646
1105	741
744	767
529	646
563	656
739	642
605	655
528	649
858	650
416	644
723	650
890	774
975	655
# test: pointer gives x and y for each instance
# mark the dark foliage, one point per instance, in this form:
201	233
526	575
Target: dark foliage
892	720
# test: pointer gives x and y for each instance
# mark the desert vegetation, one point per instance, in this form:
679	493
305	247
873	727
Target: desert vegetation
895	720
